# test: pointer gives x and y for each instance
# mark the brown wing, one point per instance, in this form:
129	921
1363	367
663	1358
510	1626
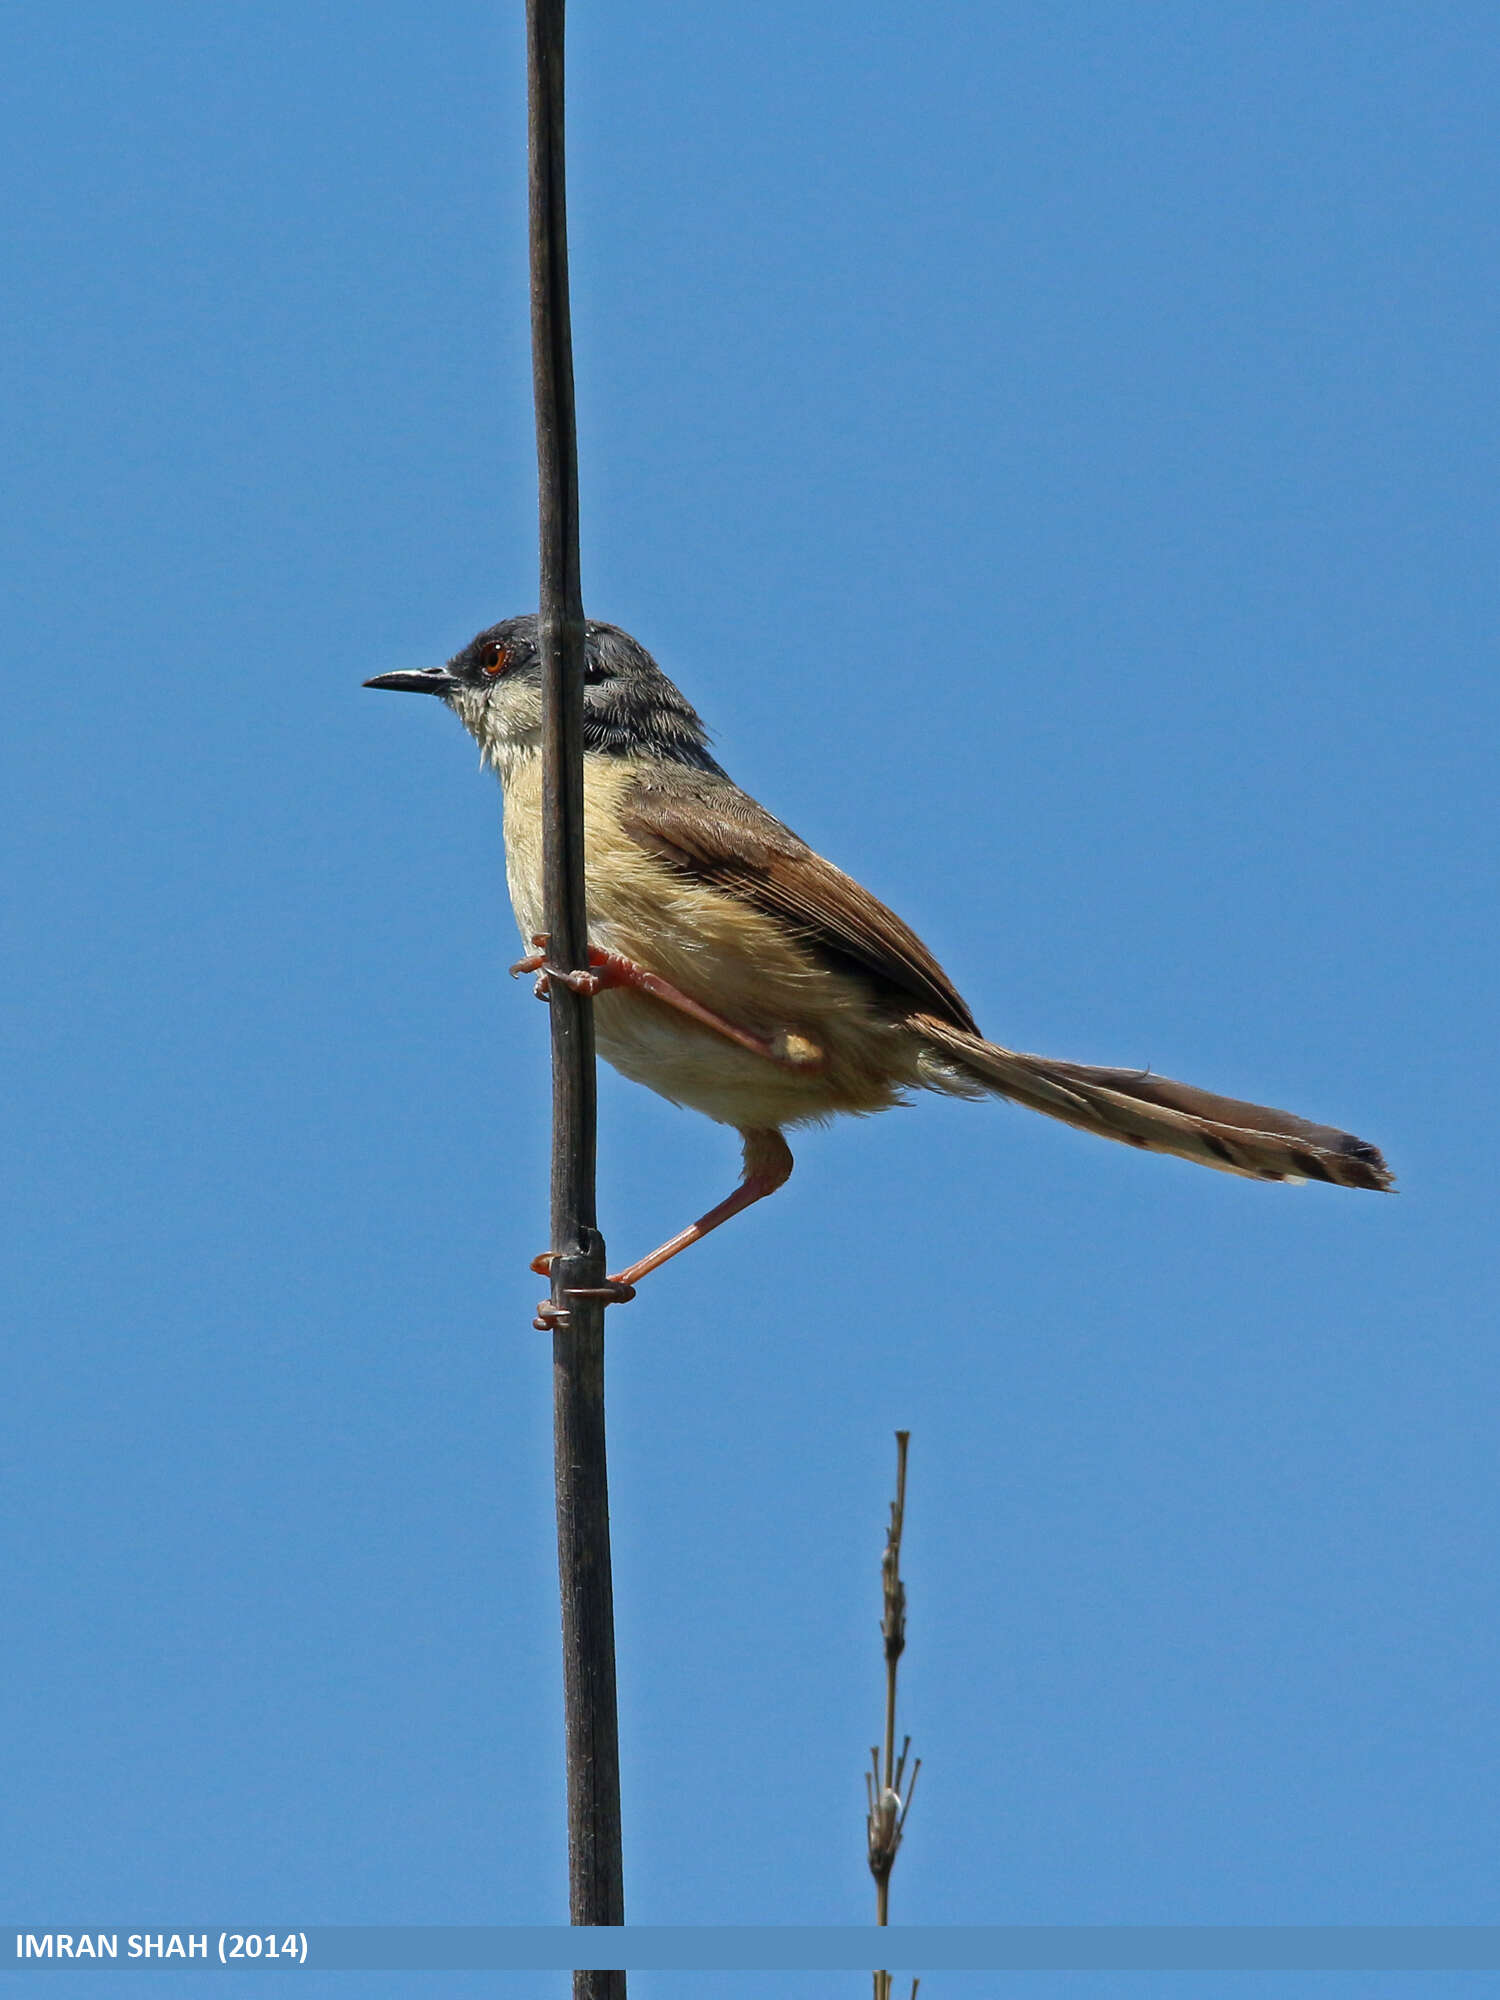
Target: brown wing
703	824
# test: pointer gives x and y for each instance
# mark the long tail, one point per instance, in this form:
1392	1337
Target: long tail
1151	1111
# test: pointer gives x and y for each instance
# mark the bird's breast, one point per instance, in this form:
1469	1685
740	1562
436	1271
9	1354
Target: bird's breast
722	952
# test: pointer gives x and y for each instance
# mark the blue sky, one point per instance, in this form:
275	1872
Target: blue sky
1056	449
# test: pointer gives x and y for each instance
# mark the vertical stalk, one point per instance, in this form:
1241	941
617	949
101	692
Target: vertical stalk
887	1791
595	1869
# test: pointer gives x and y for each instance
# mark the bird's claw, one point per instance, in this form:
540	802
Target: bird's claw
614	1292
550	1315
586	983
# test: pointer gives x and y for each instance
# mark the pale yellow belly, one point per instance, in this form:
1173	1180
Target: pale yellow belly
722	954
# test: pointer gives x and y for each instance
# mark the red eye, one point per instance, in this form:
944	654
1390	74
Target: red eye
492	660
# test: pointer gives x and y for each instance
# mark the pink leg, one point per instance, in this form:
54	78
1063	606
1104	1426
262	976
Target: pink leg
768	1166
607	969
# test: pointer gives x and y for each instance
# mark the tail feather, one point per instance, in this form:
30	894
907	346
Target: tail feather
1142	1109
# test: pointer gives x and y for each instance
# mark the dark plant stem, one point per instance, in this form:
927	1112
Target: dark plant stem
595	1869
889	1793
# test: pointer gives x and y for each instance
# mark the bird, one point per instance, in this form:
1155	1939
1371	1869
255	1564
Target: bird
738	973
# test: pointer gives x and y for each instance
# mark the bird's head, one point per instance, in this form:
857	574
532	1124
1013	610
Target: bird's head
494	686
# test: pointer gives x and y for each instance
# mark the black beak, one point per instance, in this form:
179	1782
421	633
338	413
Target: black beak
423	680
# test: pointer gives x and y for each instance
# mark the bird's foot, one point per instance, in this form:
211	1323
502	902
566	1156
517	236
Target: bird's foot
608	968
768	1162
578	981
550	1315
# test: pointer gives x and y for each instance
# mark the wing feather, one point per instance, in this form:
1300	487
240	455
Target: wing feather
702	823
